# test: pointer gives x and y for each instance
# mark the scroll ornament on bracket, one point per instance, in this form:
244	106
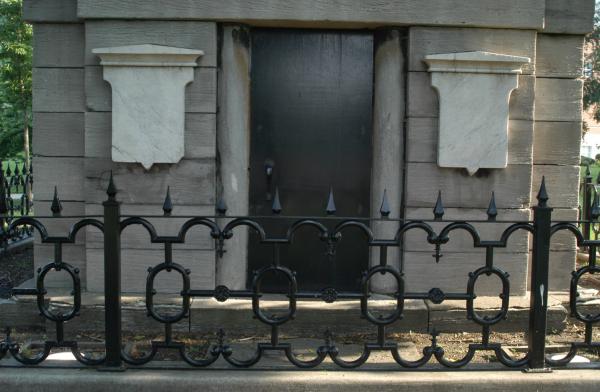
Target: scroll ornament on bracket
474	90
148	100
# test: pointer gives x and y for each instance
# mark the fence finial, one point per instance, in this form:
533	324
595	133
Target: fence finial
168	205
111	191
276	207
56	206
384	210
542	195
330	209
492	211
438	210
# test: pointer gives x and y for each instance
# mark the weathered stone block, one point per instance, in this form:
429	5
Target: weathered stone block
557	143
192	182
58	45
569	16
491	13
559	56
562	183
511	186
558	99
58	90
50	11
181	34
65	173
58	134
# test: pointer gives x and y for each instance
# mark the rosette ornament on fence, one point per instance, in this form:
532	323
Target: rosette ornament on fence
112	223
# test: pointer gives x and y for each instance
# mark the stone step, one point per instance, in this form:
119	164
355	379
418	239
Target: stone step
313	318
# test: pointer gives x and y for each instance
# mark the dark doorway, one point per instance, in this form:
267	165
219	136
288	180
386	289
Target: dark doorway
312	124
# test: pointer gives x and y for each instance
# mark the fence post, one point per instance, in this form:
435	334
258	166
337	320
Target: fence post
112	278
587	202
538	306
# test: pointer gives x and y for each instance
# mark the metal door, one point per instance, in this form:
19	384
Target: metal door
311	132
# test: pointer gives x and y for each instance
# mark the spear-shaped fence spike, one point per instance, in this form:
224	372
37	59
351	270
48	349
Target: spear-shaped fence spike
56	206
30	166
588	173
17	171
24	168
221	207
542	195
595	212
330	210
168	205
8	171
492	211
276	207
438	210
111	190
384	210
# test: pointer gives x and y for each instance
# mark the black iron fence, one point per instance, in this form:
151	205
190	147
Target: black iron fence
112	223
16	197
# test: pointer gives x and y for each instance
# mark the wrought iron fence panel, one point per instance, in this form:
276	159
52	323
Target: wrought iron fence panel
223	228
16	197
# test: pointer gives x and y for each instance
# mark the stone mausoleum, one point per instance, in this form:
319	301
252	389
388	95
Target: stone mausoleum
240	100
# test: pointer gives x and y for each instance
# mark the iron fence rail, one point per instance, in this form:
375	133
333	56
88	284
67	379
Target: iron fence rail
113	223
16	197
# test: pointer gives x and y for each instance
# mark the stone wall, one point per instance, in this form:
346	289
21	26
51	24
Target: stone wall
72	122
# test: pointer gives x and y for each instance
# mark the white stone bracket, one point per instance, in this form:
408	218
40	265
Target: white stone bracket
474	91
148	100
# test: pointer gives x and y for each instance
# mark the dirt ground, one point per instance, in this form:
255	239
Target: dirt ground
15	268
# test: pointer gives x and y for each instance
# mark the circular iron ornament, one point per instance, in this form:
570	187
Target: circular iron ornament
256	283
436	295
329	295
222	293
586	318
364	300
41	291
150	292
501	315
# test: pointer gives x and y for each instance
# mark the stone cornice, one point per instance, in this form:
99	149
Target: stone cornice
148	55
476	62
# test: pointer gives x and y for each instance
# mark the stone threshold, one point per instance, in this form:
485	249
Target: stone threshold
313	316
90	380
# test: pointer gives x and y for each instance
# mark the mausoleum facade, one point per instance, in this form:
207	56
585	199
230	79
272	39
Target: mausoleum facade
237	102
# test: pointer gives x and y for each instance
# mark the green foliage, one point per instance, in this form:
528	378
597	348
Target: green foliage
585	161
591	85
15	78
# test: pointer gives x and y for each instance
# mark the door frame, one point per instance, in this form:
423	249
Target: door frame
233	142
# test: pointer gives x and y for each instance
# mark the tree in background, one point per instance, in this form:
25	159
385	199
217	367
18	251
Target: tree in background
591	84
15	81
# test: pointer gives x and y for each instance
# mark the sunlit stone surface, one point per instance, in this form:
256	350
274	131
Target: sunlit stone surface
148	100
474	90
